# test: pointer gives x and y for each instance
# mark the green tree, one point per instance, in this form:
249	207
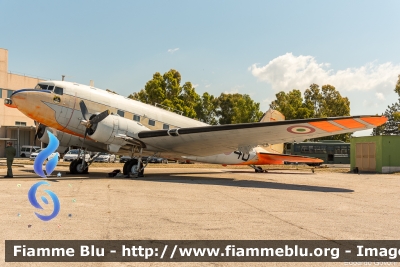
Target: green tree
391	127
167	90
326	102
228	108
206	111
237	108
291	105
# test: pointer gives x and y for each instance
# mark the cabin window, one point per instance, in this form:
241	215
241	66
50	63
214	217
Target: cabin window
1	93
136	118
165	126
304	149
297	148
152	122
59	90
121	113
51	87
9	93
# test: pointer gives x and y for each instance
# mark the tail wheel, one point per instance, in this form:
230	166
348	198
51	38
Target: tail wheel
76	167
258	169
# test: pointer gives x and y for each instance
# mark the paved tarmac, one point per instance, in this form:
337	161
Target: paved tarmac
202	203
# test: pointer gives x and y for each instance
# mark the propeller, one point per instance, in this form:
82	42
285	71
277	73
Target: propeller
91	123
40	130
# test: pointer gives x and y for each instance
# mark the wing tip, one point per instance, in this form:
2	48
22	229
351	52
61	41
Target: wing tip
375	120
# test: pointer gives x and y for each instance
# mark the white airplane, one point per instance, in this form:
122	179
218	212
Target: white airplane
102	121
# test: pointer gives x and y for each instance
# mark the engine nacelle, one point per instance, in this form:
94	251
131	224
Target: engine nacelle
113	125
67	140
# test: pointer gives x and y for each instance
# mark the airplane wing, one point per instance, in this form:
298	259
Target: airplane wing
210	140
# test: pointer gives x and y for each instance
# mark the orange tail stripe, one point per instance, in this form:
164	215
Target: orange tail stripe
375	120
326	126
350	123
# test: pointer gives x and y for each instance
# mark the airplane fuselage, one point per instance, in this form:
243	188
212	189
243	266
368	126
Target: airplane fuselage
62	112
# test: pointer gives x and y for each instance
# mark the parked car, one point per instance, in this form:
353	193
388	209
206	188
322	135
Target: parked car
105	157
26	151
155	160
73	154
124	159
52	155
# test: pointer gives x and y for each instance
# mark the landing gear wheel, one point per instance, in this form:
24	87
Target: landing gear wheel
130	167
258	169
76	167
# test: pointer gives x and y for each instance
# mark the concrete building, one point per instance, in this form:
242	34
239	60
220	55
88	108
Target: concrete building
14	125
379	154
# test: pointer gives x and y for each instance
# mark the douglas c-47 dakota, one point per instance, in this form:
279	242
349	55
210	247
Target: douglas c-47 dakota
101	121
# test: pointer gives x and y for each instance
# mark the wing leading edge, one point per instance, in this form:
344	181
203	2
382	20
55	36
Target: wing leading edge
210	140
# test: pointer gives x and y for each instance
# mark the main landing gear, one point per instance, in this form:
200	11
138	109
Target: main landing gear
78	166
134	167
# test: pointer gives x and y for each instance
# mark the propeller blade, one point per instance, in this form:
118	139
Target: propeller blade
40	129
98	118
84	110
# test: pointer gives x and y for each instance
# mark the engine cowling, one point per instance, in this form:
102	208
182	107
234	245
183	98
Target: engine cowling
112	126
67	140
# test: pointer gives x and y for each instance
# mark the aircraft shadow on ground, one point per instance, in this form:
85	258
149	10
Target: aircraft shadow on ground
171	178
185	178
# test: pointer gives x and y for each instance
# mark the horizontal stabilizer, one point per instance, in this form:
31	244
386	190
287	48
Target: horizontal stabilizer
270	158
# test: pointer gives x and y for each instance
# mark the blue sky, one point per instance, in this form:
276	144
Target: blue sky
250	47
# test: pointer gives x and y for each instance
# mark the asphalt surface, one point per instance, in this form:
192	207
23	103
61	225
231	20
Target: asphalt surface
202	203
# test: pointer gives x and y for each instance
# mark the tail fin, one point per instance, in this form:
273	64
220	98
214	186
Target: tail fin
273	115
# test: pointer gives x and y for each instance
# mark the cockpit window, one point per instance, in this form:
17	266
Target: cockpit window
44	87
58	90
41	87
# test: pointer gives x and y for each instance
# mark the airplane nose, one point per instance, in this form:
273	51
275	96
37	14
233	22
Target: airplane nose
15	98
18	98
8	102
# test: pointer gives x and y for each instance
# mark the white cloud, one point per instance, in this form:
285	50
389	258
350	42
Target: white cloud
208	85
288	72
195	85
234	90
172	50
380	96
